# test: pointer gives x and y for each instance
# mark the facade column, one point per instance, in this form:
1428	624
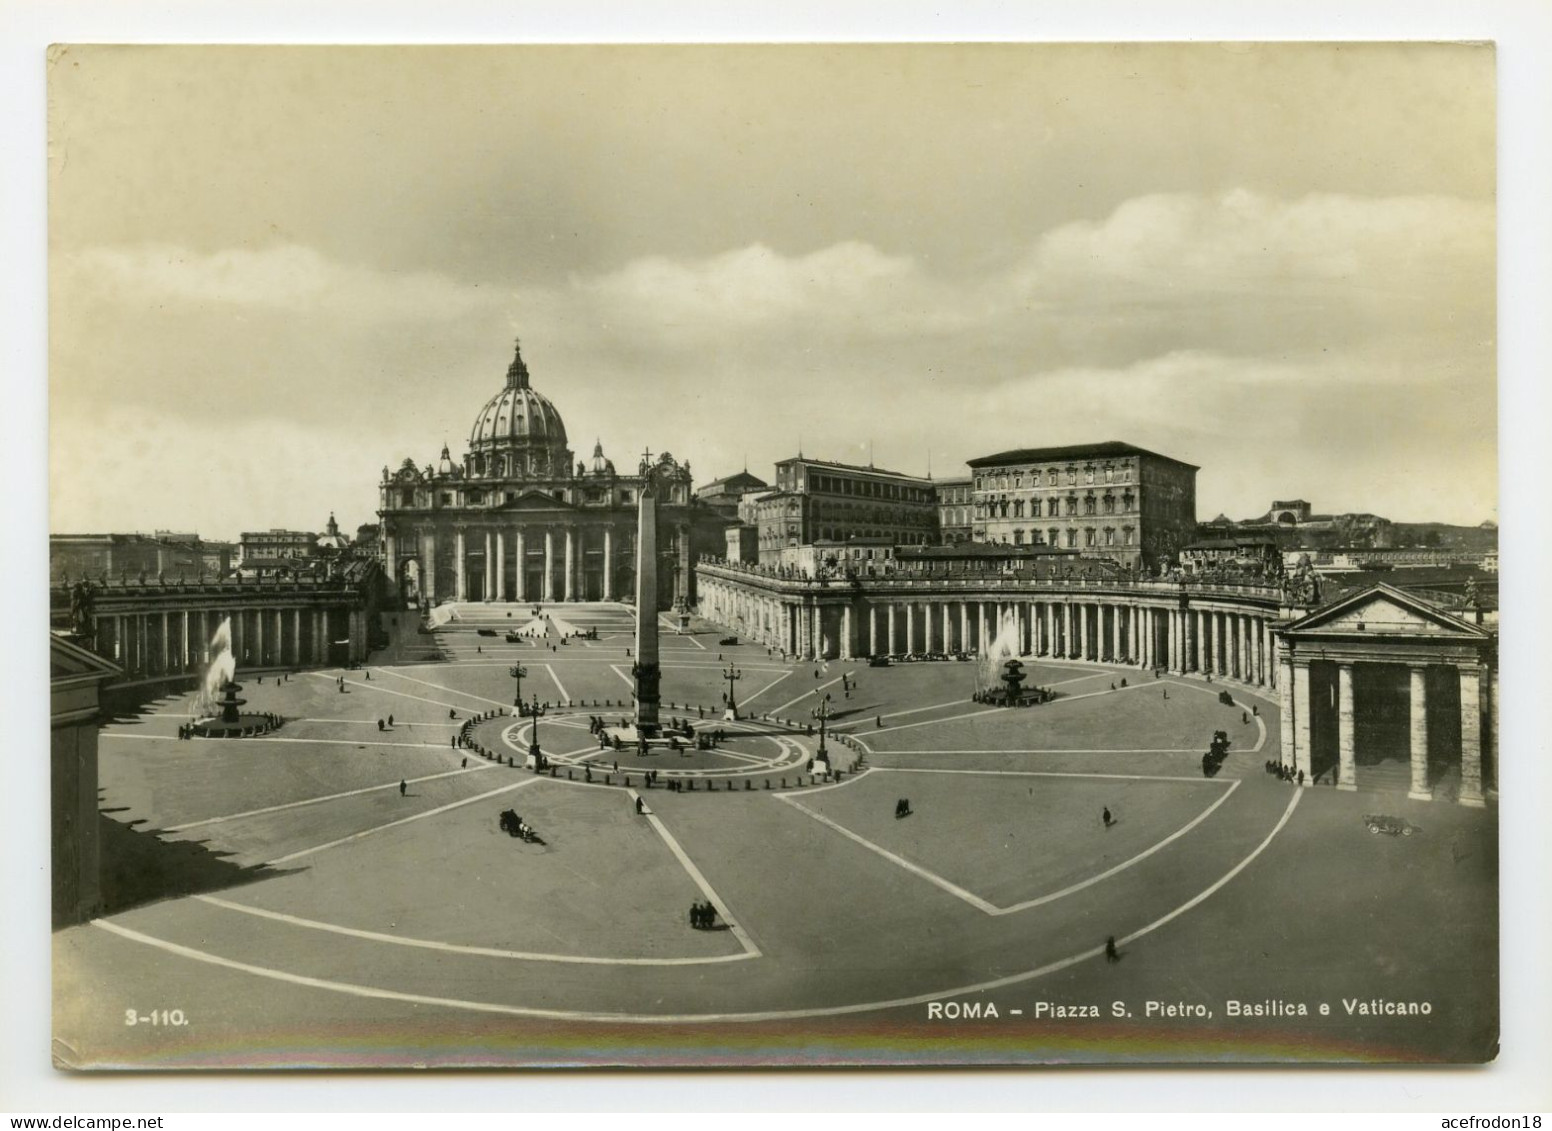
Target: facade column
872	630
964	626
519	551
460	586
296	636
166	648
280	638
1471	736
549	566
1067	629
982	644
1347	772
948	626
1420	791
1050	629
1115	632
571	564
258	637
910	626
500	593
889	618
1301	722
428	568
846	631
1083	632
488	586
1215	642
608	563
1200	635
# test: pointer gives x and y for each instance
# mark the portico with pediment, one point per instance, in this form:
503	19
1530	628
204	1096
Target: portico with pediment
1382	687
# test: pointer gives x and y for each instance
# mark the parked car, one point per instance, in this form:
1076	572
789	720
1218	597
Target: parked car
878	661
728	640
1390	826
485	631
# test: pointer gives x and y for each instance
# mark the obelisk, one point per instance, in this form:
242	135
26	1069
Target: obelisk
646	667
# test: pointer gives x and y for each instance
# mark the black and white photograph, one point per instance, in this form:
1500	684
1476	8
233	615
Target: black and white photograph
745	555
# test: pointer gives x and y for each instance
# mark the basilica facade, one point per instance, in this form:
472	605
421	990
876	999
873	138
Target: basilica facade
518	518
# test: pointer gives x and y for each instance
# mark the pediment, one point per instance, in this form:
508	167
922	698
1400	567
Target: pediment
1384	611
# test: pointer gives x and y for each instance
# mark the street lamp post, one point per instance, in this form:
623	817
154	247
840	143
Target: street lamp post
732	675
534	711
517	672
822	713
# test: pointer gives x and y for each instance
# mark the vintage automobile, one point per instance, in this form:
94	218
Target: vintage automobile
485	631
514	638
878	661
1390	826
728	640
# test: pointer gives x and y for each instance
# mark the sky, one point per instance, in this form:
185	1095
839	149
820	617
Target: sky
274	271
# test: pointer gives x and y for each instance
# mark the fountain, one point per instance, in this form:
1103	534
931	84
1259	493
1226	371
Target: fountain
217	703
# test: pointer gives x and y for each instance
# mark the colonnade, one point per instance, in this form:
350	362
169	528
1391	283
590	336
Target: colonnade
1163	632
172	642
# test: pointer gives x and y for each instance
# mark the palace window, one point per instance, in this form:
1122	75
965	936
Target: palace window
1088	475
1034	508
1088	536
1072	477
1018	537
1109	536
1072	505
407	498
1126	535
1110	504
1072	538
1088	505
1052	477
1109	475
1018	508
1051	537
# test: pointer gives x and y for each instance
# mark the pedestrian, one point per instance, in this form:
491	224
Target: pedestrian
1244	717
403	787
1109	820
1301	777
881	722
641	806
1166	693
390	721
1111	953
464	765
380	724
368	675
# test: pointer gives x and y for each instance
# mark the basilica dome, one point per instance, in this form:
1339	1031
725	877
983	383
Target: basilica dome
518	431
517	412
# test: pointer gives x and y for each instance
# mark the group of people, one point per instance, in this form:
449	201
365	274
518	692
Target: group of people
903	807
513	825
388	725
1217	752
1285	773
703	916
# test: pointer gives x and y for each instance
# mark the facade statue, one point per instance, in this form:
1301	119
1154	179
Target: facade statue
83	620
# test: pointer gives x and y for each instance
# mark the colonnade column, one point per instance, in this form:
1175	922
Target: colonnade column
1083	632
872	630
1420	790
460	585
1067	629
964	625
1115	632
1471	736
296	632
1346	770
1301	721
487	585
910	628
980	626
846	632
1050	628
1285	726
320	644
889	616
549	566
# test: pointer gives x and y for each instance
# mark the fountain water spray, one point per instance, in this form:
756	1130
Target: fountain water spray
222	669
1003	647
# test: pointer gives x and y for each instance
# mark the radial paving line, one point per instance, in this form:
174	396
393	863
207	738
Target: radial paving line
256	740
1085	750
805	695
984	905
328	797
356	990
401	821
755	695
475	951
370	686
1049	774
629	682
564	694
700	881
440	687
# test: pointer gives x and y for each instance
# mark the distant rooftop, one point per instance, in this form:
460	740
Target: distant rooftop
852	467
1102	450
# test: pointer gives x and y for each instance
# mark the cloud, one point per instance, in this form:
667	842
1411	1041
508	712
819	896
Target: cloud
1237	331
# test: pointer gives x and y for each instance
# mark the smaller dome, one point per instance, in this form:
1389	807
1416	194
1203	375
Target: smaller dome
600	465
